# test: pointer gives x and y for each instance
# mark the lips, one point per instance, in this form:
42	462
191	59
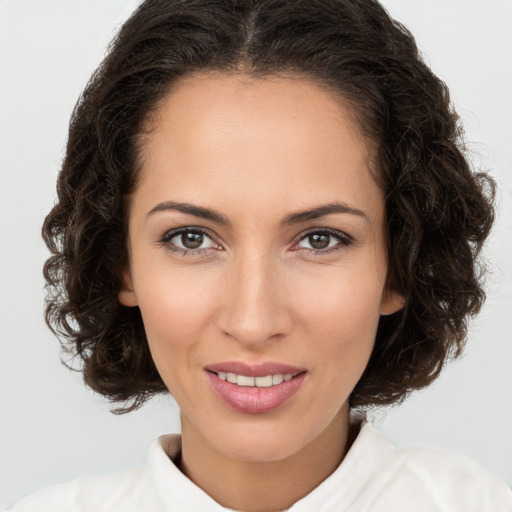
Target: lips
254	389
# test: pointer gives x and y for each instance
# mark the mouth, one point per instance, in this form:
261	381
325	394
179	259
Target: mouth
255	389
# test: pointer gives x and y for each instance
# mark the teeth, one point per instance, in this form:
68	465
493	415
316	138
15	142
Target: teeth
259	382
242	380
263	382
278	378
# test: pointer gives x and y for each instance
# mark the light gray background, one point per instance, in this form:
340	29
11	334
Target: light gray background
52	429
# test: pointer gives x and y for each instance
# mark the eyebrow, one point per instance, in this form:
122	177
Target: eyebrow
289	220
321	211
190	209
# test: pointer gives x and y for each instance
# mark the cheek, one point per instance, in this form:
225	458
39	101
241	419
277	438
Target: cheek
340	315
341	303
175	308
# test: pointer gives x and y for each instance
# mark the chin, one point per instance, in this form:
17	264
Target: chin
260	444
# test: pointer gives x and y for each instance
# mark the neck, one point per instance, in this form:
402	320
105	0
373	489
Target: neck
265	486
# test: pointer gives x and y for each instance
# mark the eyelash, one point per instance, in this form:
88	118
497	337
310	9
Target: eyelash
343	241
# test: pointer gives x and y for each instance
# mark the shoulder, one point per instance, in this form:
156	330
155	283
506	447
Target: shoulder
453	479
438	479
129	491
102	493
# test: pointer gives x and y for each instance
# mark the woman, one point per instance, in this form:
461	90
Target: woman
264	210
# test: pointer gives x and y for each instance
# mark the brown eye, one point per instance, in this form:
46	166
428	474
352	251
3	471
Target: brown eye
319	241
188	240
192	240
323	242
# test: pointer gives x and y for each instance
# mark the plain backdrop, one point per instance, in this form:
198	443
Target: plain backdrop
52	428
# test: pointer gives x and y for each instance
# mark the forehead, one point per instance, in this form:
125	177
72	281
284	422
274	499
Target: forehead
290	139
203	103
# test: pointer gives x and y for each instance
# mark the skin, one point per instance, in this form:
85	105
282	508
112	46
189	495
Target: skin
256	151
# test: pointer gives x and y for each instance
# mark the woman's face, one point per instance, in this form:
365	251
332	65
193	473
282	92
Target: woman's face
257	253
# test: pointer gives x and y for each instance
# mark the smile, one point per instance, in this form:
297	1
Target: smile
255	389
265	381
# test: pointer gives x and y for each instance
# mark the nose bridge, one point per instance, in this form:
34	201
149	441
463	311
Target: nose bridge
254	308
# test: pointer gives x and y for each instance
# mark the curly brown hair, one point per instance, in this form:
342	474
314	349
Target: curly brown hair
439	211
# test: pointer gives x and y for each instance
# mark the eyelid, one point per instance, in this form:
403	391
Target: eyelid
185	229
330	231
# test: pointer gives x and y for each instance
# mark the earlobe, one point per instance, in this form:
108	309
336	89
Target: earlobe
392	302
127	295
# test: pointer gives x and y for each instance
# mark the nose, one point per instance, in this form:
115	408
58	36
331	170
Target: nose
254	304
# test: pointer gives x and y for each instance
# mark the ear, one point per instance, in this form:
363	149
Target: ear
126	294
392	301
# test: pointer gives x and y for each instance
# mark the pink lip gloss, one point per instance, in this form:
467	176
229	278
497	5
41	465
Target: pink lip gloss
254	399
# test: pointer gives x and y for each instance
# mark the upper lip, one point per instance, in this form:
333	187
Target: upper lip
254	370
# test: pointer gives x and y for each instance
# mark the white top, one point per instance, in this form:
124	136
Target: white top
375	476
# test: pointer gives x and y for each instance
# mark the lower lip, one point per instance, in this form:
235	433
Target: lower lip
254	400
